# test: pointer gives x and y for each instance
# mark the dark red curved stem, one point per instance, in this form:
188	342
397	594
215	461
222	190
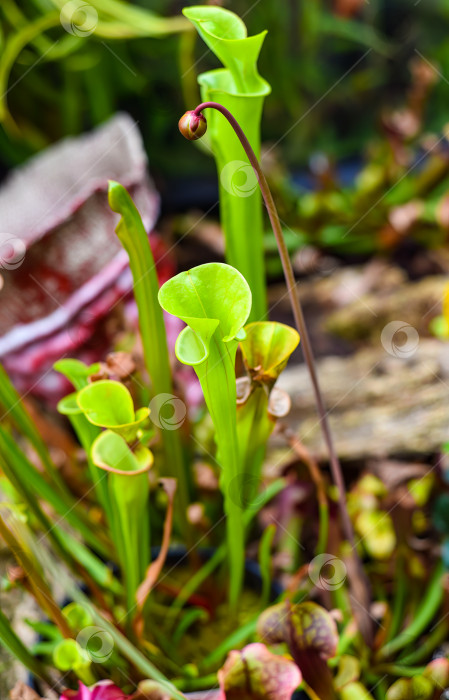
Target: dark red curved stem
296	308
298	315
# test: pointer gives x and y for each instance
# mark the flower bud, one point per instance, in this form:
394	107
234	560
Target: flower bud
192	126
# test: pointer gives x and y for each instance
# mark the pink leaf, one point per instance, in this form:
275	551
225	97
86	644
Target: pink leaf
104	690
312	637
254	673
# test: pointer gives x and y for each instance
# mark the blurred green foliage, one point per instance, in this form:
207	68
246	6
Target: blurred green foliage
332	63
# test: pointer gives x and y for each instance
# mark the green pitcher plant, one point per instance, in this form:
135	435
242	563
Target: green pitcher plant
214	300
120	463
78	375
129	490
133	237
240	88
265	350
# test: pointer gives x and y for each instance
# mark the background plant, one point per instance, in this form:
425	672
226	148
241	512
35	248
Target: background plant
80	83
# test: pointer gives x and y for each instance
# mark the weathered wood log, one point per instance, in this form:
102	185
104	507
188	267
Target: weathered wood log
365	316
379	405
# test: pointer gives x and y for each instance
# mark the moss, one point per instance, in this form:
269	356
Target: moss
204	635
